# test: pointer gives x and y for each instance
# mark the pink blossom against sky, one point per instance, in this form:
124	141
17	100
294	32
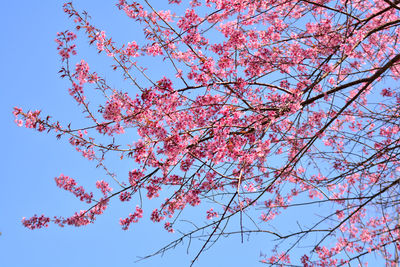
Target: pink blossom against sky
30	160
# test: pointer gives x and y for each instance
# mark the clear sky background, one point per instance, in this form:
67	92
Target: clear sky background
30	160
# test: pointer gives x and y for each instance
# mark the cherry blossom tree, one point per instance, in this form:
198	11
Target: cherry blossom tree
266	107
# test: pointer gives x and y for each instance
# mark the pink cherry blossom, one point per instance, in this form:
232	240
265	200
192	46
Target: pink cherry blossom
251	113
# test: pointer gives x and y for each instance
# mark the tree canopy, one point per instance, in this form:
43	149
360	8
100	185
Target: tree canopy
265	107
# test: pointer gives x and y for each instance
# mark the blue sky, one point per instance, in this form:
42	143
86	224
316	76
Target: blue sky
30	160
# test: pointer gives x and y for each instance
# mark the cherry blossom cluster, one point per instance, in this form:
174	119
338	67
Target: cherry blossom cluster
132	218
69	184
30	119
81	218
65	48
36	222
